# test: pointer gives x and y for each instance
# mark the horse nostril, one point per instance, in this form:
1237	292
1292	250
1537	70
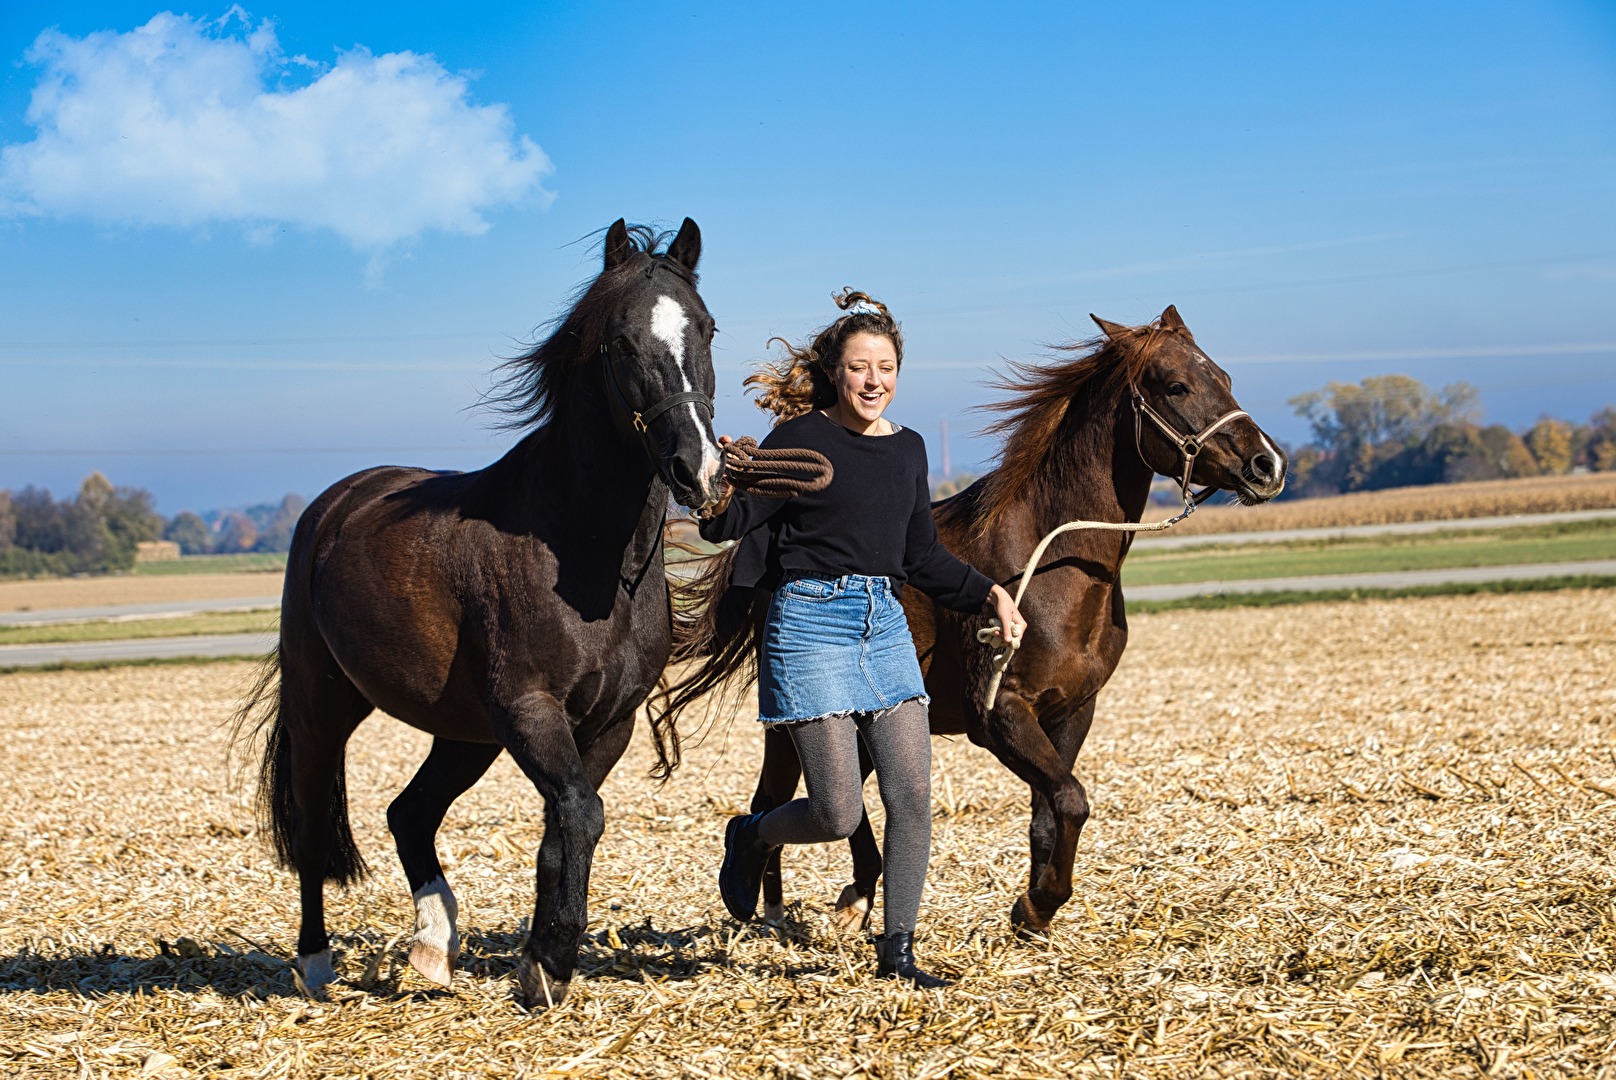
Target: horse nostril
1264	467
682	475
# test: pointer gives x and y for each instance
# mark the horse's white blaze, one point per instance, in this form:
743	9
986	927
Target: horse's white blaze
710	459
435	915
668	323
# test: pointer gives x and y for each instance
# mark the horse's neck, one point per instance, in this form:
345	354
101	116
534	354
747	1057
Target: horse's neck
1101	476
580	470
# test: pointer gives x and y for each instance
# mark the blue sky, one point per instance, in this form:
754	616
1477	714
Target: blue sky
1326	191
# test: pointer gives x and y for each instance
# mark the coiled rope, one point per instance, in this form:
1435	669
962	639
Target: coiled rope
775	474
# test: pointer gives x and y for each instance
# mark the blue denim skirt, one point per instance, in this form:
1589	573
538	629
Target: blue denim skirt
834	647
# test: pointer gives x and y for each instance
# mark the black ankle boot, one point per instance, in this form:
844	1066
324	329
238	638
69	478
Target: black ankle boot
895	959
741	875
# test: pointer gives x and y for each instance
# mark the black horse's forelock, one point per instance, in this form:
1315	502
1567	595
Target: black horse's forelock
527	387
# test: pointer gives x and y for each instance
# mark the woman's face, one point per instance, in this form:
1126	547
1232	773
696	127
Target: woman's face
867	377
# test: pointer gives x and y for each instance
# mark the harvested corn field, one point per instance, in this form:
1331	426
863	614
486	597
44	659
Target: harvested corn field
1360	839
1437	502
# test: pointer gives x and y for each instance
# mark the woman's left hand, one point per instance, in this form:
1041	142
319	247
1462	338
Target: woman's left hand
1011	623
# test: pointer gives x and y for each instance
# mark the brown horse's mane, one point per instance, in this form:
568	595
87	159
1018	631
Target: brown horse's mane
528	386
1034	417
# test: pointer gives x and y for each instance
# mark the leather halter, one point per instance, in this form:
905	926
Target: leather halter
639	421
1189	446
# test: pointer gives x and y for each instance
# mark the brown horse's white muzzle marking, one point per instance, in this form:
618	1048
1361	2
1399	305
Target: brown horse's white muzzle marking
1264	472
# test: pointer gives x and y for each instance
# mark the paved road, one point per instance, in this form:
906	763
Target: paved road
1166	541
1387	579
204	645
255	645
126	612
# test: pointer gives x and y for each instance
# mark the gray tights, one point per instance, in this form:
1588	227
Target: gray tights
899	742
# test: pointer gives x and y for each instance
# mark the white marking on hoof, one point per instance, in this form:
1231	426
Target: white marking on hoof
436	945
539	990
774	914
315	973
852	910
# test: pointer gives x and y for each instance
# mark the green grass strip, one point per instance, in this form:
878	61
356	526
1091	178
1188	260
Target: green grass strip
1281	597
1372	555
252	562
212	622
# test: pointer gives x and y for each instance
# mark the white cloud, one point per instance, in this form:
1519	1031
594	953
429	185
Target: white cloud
185	122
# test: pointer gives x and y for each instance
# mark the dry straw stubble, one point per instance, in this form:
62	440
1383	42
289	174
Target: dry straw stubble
1357	839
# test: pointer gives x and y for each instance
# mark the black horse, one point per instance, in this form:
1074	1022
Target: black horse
522	607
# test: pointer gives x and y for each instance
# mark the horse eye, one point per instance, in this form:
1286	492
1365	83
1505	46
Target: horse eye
1178	389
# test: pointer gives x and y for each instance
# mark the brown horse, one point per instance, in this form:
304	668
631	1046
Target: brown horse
1077	445
519	608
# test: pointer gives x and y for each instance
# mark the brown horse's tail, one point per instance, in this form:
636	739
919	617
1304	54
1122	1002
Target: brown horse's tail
261	713
715	630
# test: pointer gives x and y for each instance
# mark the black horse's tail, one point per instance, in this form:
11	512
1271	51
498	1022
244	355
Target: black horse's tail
261	712
715	632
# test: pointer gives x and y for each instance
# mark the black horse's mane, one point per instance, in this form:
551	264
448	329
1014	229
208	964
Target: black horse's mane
528	386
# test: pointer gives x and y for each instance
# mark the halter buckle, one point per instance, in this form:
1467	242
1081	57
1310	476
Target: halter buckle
639	425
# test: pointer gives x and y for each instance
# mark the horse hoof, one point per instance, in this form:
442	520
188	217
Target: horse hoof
437	943
539	989
774	914
433	963
852	911
314	973
1026	920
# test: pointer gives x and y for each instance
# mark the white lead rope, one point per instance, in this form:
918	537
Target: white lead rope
994	635
1189	448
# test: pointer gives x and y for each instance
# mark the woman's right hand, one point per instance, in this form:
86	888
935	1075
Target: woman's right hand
1011	622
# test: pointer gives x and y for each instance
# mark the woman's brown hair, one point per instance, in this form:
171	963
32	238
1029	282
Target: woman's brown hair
805	378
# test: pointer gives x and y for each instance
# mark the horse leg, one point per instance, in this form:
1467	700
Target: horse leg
539	736
857	901
598	758
777	783
318	711
1067	736
414	817
1012	733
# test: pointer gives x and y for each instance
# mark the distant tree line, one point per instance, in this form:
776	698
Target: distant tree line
97	531
265	527
1394	431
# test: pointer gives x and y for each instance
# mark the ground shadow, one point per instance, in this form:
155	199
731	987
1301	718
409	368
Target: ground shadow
371	964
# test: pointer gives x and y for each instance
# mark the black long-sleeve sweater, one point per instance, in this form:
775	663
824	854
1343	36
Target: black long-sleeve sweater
874	518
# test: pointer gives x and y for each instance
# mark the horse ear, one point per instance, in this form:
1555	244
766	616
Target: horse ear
1112	330
686	247
618	247
1171	320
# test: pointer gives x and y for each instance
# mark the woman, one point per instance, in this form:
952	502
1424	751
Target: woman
836	661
